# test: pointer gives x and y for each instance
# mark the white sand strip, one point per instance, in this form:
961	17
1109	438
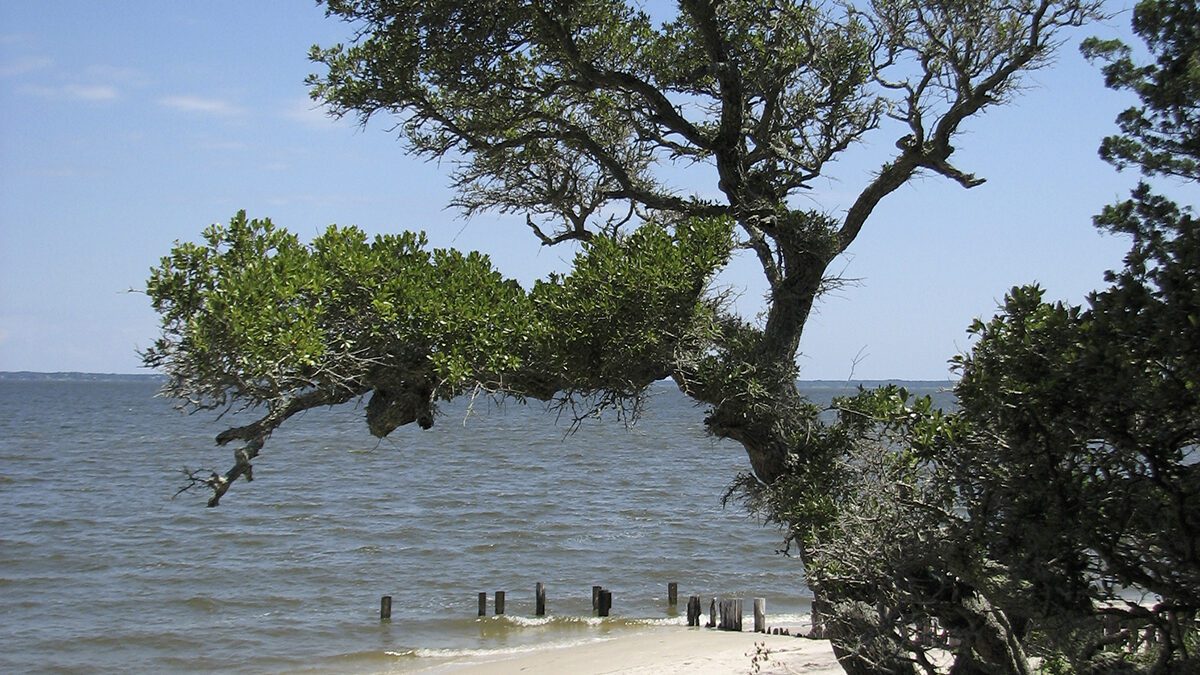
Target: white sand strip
667	649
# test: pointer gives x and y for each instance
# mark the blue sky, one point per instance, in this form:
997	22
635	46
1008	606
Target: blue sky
130	125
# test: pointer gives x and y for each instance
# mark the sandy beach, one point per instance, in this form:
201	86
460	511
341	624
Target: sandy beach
667	649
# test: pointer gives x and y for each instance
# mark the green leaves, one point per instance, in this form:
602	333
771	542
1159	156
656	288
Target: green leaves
615	321
1068	477
254	315
1162	135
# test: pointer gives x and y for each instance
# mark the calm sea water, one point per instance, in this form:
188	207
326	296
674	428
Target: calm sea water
101	570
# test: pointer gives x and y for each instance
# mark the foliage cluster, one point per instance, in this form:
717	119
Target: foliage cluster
1056	513
567	111
252	317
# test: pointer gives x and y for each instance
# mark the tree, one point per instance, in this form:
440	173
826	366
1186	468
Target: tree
1106	399
563	111
566	112
1057	513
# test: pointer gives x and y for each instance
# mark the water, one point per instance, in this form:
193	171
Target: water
101	570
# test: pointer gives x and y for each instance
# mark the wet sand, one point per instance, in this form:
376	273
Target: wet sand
668	649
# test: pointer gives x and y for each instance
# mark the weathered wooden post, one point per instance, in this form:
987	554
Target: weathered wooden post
693	610
596	597
385	608
760	615
540	599
605	602
499	602
712	613
731	614
672	594
483	604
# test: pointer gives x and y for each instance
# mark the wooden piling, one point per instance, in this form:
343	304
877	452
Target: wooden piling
693	610
731	614
499	602
605	602
596	597
385	608
672	594
483	604
540	599
760	615
712	613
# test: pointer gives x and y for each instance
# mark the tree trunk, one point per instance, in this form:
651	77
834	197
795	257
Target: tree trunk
990	644
861	644
782	435
754	398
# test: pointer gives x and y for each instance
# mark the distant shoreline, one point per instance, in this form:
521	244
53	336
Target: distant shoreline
71	376
74	376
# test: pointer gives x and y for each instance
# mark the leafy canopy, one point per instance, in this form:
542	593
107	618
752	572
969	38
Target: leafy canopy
1162	135
1029	521
253	317
578	114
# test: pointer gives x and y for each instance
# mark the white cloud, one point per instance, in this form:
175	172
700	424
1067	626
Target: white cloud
310	114
200	104
221	146
24	65
131	77
91	92
76	92
96	83
14	38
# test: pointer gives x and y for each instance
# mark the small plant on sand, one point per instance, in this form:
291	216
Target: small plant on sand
761	655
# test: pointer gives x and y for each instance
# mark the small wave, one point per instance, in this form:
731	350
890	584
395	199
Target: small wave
584	621
43	524
469	653
202	603
530	621
790	619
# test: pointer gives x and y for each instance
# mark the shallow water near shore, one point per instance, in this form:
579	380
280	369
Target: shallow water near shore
101	570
